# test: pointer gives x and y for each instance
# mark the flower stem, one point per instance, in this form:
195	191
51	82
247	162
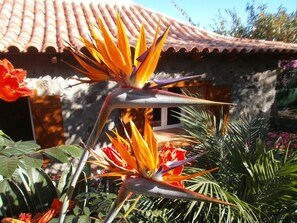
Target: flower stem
104	113
127	98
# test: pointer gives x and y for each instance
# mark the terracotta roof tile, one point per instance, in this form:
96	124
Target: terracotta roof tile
46	25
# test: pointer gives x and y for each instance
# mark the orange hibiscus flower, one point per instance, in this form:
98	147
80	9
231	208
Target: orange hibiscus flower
53	212
12	85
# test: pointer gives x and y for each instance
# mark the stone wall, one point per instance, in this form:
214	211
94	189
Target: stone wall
252	78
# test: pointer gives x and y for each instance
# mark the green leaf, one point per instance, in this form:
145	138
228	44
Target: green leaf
20	148
77	211
84	219
54	220
286	97
71	150
64	181
4	135
27	147
34	160
8	165
12	199
42	188
81	187
87	211
20	177
70	219
4	139
56	153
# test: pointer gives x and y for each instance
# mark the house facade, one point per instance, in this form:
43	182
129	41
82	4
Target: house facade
34	33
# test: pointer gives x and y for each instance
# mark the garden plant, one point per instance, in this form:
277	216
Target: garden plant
257	168
136	159
131	71
232	185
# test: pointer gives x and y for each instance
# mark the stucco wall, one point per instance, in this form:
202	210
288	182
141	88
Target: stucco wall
252	78
80	105
80	102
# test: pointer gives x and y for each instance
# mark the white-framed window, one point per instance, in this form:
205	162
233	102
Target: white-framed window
16	119
165	118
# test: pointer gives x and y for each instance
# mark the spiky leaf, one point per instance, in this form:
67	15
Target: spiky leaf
42	189
11	199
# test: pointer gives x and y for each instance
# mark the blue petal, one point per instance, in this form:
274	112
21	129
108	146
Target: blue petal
163	82
174	164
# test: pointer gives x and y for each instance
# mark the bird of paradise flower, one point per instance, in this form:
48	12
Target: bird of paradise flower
116	62
144	170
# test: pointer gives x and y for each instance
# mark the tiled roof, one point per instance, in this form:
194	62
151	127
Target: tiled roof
45	26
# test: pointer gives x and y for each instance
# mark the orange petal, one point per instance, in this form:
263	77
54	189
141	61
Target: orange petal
128	158
91	48
124	46
11	220
92	73
150	63
114	174
173	178
141	151
150	139
140	47
113	52
103	54
99	160
47	216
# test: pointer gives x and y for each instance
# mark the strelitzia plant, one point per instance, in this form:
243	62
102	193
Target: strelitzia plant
146	170
116	62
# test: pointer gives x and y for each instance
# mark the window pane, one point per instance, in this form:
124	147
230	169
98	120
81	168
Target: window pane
15	120
156	117
171	119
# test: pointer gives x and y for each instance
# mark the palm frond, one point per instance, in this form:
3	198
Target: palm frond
181	211
250	174
209	186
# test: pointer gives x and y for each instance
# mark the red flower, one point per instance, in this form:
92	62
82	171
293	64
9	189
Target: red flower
12	85
113	154
169	154
54	211
56	206
25	217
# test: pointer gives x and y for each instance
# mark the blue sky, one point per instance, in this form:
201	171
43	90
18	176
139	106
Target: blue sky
204	11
